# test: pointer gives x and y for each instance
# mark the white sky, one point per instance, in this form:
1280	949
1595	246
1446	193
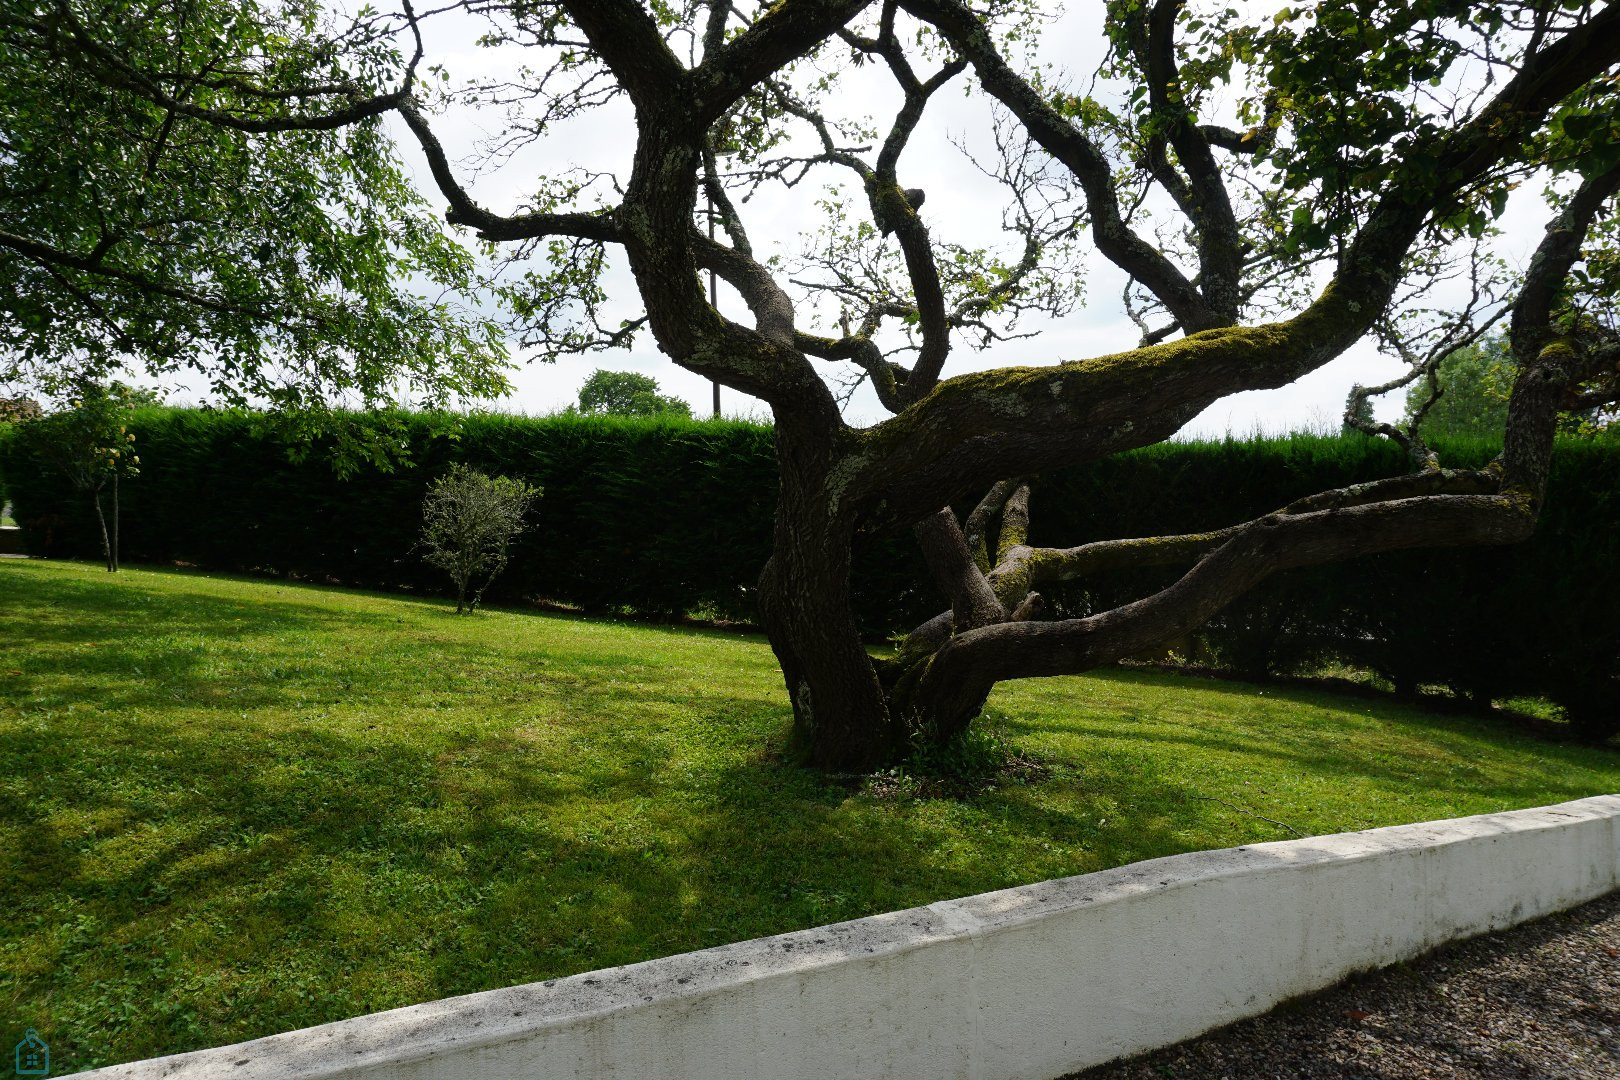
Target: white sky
962	206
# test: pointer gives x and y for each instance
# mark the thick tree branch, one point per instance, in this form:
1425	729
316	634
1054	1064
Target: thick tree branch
772	308
1247	143
894	212
1060	138
973	602
655	227
968	664
1041	566
1606	394
624	35
977	528
714	28
932	320
1220	246
1551	367
721	206
1014	523
977	428
784	33
863	351
1549	268
489	225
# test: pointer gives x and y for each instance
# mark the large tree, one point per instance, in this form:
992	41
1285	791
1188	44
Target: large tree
1271	191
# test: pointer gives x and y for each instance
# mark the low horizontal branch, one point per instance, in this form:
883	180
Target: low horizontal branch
1250	554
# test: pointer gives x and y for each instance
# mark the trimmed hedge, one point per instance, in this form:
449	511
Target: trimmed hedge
658	516
669	516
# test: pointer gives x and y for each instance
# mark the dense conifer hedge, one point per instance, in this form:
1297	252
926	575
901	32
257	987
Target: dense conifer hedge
658	516
672	516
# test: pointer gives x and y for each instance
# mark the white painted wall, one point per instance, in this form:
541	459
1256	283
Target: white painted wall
1029	983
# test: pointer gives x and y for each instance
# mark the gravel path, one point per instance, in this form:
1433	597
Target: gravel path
1538	1002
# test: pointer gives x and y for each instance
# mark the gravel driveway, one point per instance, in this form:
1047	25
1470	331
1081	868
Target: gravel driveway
1538	1002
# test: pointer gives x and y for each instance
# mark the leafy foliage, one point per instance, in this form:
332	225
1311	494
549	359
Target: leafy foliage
1475	383
282	258
625	393
468	523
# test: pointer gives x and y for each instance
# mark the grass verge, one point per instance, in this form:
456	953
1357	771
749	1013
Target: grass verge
232	807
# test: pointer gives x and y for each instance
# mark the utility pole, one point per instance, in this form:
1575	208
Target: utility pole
714	296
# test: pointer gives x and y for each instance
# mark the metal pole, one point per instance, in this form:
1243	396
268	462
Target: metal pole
713	290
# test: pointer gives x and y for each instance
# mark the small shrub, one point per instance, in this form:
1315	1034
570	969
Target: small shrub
468	522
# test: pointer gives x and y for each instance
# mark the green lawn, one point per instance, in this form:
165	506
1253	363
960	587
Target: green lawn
231	807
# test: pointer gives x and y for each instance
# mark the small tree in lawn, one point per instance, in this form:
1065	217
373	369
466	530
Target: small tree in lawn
468	521
94	448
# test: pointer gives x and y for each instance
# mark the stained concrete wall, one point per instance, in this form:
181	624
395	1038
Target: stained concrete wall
1029	983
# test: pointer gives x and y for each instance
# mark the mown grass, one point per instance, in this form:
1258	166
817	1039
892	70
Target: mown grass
233	807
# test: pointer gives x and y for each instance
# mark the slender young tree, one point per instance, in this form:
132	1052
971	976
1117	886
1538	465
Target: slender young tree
93	448
1269	189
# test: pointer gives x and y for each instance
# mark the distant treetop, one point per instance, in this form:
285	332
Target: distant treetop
624	393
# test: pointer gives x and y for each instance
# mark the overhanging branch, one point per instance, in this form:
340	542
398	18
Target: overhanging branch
489	225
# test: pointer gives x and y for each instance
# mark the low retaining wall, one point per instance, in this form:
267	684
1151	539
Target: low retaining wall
1029	983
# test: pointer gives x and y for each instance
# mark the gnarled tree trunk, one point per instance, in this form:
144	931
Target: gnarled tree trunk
840	717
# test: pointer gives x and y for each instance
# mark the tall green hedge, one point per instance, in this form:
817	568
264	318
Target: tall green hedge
658	516
669	516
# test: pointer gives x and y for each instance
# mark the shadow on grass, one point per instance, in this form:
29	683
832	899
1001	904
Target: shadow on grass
184	888
179	872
